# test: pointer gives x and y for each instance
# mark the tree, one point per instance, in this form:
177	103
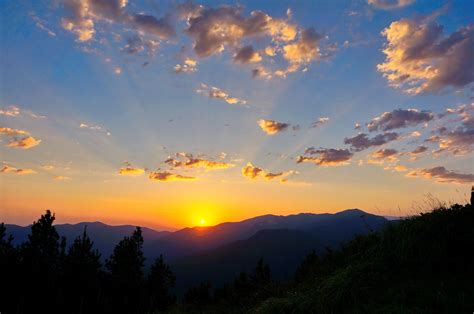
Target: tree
262	273
8	272
198	296
160	280
126	270
40	264
81	274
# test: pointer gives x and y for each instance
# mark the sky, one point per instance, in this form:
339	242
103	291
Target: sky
170	114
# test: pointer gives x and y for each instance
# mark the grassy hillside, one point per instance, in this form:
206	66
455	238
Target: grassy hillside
423	264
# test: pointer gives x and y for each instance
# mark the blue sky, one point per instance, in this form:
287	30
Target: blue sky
105	109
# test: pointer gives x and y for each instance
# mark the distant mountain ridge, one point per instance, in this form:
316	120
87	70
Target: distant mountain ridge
193	240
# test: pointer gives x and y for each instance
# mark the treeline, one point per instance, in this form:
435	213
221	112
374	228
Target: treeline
45	275
419	265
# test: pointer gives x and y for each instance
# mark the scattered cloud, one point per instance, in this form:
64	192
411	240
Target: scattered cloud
165	176
10	169
189	65
272	127
362	141
41	24
83	15
15	111
214	92
419	150
390	4
247	55
128	169
12	132
399	118
61	178
93	128
320	122
419	58
23	142
185	160
383	155
252	172
441	174
326	156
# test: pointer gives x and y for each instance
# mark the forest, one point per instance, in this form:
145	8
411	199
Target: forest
421	264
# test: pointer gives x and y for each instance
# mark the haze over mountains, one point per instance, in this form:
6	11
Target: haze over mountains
221	252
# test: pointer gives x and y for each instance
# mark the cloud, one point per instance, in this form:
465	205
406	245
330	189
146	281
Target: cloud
304	51
247	55
189	65
400	118
128	169
61	178
23	142
10	169
320	122
165	176
12	132
188	161
214	29
326	156
419	150
441	174
383	155
252	172
272	127
362	141
93	128
15	111
214	92
397	168
136	44
41	24
419	58
458	141
390	4
83	15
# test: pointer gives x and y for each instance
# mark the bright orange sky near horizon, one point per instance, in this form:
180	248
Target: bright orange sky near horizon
218	112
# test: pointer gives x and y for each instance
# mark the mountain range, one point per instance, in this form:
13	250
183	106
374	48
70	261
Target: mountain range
219	253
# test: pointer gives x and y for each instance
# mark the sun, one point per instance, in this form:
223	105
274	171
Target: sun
202	221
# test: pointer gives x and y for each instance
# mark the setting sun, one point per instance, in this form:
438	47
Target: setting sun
203	221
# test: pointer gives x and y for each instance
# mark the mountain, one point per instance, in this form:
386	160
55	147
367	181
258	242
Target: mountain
329	229
283	245
336	227
105	237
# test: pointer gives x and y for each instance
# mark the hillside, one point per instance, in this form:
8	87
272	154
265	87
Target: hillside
423	264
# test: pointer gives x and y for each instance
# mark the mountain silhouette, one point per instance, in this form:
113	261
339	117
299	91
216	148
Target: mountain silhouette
329	229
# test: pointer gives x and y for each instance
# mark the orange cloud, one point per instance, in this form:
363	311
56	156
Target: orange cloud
214	92
128	169
272	127
24	142
10	169
252	172
12	132
165	176
326	156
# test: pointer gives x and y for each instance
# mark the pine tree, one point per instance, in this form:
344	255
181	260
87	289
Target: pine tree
126	271
160	280
81	277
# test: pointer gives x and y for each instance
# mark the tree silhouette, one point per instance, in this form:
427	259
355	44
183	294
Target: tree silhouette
81	275
160	280
262	274
40	263
198	296
8	272
126	270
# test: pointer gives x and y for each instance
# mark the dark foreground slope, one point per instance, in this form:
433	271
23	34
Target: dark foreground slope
424	264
